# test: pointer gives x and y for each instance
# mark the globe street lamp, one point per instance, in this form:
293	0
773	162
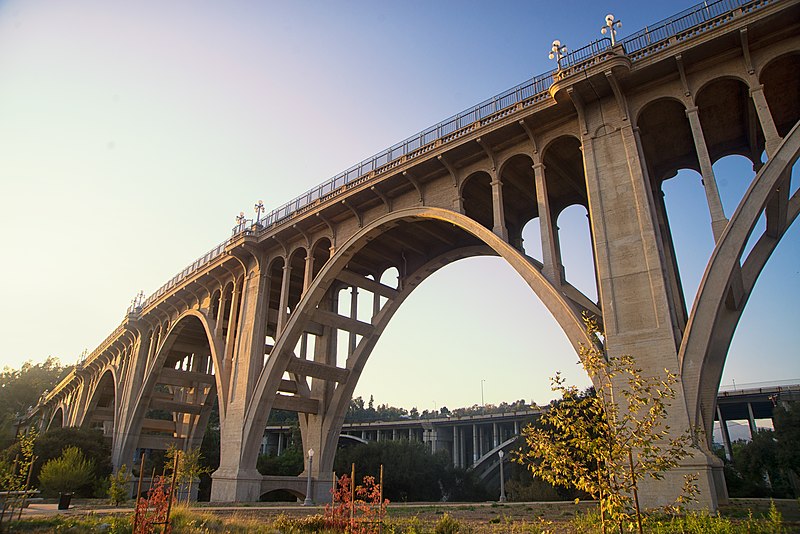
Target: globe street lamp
502	478
259	210
610	28
558	52
240	220
308	501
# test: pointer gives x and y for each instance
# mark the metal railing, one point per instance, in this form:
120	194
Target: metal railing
689	22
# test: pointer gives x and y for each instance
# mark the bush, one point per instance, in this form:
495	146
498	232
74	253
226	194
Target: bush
67	473
447	525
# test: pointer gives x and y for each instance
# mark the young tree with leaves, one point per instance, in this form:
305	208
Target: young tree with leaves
606	444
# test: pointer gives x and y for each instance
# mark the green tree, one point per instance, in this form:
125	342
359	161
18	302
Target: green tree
190	466
20	389
119	490
606	444
15	473
411	472
70	472
91	442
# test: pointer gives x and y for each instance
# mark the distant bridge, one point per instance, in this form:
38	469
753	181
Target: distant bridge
285	314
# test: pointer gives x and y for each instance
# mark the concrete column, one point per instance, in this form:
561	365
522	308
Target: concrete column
454	456
718	219
364	435
433	438
726	437
495	440
553	270
308	274
394	434
498	209
475	445
283	313
351	345
516	428
771	136
280	443
751	420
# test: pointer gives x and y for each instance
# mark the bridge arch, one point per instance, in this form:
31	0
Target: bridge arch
189	331
728	281
477	240
102	404
57	420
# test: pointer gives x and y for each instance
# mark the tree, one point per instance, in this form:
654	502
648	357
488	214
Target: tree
118	489
606	444
20	389
411	472
69	472
92	444
189	466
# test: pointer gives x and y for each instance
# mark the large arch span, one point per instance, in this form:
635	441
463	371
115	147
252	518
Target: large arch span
459	237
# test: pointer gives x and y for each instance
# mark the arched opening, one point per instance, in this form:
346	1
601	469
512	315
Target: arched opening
215	301
228	307
781	80
320	252
680	202
57	421
579	269
566	186
519	196
281	495
101	409
182	403
729	120
532	239
476	193
275	270
297	269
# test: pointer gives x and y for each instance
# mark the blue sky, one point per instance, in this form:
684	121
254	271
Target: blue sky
133	133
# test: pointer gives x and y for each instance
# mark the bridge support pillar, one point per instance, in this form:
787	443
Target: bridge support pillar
634	279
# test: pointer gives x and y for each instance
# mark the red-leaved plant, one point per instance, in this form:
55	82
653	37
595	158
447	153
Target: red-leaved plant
356	510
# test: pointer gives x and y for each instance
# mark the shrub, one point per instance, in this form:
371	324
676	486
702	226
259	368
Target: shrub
447	525
69	472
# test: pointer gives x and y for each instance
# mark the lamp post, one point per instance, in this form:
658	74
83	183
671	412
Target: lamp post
609	28
259	210
482	403
240	219
309	501
558	52
502	478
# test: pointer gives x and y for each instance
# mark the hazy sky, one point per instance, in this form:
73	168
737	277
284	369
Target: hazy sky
132	133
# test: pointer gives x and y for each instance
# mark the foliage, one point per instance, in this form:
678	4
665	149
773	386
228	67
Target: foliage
607	443
769	464
118	490
411	471
356	509
20	389
447	525
189	467
14	473
289	463
154	509
94	446
70	472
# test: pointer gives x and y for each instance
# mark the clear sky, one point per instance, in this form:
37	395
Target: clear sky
132	133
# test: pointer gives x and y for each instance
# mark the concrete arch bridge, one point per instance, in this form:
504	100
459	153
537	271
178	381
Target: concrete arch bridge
274	317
